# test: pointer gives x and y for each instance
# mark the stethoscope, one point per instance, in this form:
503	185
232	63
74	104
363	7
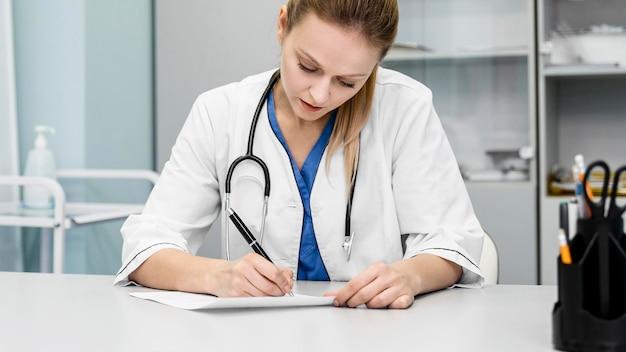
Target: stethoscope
348	236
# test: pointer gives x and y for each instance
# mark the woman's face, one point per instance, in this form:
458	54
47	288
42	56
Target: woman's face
323	65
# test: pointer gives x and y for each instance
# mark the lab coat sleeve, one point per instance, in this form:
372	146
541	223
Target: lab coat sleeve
184	202
433	205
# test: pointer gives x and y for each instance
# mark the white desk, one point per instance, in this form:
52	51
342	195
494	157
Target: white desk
45	312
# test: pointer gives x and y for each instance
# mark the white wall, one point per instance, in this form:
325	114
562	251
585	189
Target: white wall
10	253
201	45
204	44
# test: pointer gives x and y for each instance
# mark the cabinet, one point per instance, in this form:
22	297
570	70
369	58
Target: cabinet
581	89
478	58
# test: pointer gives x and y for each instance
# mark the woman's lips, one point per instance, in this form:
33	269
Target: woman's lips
309	107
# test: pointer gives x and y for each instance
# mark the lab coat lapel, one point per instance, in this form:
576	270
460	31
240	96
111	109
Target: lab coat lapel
328	207
285	210
373	220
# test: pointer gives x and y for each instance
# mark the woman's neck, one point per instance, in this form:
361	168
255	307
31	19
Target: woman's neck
300	135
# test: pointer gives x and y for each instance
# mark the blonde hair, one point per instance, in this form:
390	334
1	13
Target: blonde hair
377	20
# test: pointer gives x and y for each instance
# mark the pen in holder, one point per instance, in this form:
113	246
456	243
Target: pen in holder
590	314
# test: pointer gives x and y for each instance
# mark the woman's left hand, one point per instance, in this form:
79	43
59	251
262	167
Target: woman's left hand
379	286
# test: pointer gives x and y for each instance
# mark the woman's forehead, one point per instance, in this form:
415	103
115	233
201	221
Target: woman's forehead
345	51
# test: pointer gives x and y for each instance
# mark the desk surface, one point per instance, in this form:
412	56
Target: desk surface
46	312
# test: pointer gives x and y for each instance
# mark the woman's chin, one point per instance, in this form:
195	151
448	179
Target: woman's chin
309	115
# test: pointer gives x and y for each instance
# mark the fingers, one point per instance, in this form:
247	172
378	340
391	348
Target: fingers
265	278
249	290
402	302
368	292
288	276
270	271
384	298
355	285
393	298
241	287
267	287
379	286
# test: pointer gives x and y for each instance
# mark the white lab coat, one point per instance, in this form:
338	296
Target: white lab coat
408	183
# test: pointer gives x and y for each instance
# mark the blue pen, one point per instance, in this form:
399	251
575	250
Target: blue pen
578	172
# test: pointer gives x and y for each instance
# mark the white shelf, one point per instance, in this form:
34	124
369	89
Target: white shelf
583	70
495	183
12	214
559	197
408	54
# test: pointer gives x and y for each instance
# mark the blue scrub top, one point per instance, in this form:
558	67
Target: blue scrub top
310	263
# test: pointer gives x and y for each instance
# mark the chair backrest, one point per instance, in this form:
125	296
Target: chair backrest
489	261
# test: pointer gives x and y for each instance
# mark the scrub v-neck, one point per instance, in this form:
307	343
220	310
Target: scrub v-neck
310	263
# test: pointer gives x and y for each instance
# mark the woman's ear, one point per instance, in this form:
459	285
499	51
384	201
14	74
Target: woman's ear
282	24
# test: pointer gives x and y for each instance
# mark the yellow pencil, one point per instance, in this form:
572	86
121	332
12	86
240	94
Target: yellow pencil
566	256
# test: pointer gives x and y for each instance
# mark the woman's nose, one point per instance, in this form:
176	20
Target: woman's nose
320	92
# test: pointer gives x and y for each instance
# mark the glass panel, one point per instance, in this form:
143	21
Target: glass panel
584	37
584	69
85	68
473	55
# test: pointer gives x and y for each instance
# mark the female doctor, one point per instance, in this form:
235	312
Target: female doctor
347	145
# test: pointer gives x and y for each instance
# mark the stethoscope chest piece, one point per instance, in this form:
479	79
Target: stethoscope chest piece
347	245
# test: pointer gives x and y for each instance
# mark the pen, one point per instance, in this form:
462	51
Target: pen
564	219
249	237
566	256
578	173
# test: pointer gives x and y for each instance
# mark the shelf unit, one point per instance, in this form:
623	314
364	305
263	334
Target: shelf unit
582	110
478	59
397	54
583	71
65	215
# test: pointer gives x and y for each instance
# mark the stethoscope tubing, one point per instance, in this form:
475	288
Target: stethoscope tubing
249	156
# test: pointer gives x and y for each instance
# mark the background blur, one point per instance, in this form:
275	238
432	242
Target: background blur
521	86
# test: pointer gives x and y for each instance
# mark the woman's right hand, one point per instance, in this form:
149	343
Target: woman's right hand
253	275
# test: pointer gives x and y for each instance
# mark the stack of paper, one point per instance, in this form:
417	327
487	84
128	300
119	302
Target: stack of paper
193	301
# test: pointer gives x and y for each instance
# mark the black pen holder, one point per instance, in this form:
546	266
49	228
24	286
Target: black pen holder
590	314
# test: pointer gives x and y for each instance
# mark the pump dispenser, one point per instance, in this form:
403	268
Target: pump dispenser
40	163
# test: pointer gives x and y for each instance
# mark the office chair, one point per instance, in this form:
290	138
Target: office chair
489	261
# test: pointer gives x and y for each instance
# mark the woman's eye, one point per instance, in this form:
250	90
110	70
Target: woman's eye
306	69
346	84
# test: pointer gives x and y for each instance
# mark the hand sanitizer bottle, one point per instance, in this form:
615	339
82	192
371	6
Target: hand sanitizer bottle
40	163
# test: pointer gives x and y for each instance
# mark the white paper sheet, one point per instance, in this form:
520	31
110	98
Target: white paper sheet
193	301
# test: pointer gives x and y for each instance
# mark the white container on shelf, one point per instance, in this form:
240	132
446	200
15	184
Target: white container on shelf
561	50
602	44
601	48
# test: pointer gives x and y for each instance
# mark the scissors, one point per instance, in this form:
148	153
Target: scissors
608	221
598	209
